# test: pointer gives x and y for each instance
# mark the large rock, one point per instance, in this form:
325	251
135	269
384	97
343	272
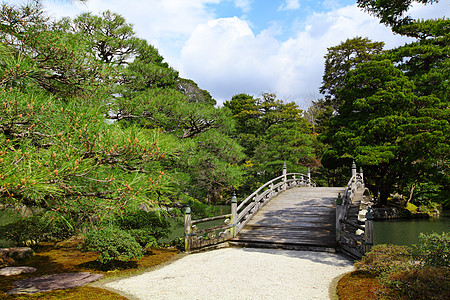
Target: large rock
11	255
74	242
53	282
10	271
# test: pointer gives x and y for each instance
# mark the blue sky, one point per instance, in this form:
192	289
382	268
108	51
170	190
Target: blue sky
248	46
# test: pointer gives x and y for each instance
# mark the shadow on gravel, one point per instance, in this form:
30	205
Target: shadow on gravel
332	259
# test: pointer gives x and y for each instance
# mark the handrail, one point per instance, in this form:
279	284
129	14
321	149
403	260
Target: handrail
241	214
255	201
352	243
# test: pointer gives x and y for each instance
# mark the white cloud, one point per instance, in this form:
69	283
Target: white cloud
166	24
225	57
420	11
290	5
245	5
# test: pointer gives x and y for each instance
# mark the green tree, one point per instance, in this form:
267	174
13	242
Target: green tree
342	58
83	141
272	132
149	93
389	130
391	13
394	120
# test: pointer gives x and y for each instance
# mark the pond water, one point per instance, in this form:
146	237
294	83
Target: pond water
406	232
177	225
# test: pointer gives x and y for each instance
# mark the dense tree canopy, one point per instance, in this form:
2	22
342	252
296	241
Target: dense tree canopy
342	58
393	115
390	12
272	132
386	128
94	123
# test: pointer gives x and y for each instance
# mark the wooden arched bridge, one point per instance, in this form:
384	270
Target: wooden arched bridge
291	212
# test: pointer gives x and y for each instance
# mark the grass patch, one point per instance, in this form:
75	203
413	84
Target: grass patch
50	259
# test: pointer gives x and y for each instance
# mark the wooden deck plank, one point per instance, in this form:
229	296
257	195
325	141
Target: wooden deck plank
299	216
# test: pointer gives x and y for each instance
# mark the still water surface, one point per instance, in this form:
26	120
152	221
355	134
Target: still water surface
406	232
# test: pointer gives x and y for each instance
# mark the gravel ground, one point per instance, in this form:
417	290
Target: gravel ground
239	273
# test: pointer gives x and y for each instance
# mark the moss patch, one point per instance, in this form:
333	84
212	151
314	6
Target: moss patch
51	260
358	285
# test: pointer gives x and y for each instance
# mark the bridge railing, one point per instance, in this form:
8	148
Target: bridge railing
240	215
254	202
353	238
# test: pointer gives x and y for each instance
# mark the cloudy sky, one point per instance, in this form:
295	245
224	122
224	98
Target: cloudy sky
248	46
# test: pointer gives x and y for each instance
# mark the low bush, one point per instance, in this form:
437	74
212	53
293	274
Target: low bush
112	244
29	231
427	283
422	275
154	224
144	237
434	249
385	258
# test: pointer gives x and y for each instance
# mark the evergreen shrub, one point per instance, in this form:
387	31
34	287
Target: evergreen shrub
150	222
434	249
420	282
422	275
30	231
385	258
112	244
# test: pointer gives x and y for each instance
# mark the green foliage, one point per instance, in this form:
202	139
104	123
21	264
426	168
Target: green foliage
392	116
383	259
319	114
434	249
42	227
144	237
419	283
342	58
422	275
387	128
94	123
190	89
392	13
149	226
271	132
112	244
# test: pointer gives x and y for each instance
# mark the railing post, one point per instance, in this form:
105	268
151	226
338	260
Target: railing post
339	212
284	176
187	229
234	218
272	191
361	173
368	231
309	176
353	169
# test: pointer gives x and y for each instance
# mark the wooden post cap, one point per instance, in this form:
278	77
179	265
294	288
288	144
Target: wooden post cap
234	198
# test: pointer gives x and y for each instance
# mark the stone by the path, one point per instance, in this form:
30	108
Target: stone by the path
53	282
10	271
11	255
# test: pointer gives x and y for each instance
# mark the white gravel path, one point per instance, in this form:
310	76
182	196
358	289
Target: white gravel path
240	273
